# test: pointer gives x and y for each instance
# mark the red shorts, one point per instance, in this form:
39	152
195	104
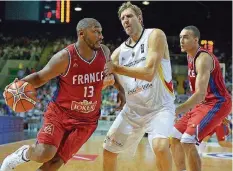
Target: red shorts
222	131
63	132
203	119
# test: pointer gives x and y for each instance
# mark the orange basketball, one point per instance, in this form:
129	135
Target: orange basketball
20	96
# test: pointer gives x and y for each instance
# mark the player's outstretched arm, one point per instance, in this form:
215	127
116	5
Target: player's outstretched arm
117	85
156	50
204	65
57	65
115	61
109	77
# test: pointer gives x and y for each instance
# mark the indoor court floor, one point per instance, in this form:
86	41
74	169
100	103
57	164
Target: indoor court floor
89	157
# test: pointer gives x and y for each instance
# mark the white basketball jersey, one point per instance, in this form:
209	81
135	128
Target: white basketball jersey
143	97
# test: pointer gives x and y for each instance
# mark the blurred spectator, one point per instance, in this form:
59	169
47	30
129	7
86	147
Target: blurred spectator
32	70
27	71
175	84
20	73
186	85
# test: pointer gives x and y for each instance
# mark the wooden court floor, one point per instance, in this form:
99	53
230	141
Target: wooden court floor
221	159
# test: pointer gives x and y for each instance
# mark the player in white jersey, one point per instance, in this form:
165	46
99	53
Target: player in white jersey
144	69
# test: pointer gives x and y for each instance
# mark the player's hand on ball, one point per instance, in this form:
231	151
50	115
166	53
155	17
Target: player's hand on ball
20	96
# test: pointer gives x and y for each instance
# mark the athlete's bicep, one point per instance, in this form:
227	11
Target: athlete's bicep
57	65
156	49
106	51
115	56
203	65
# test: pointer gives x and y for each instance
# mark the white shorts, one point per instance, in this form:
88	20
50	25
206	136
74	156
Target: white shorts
126	134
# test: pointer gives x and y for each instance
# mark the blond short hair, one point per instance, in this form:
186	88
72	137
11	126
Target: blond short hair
127	5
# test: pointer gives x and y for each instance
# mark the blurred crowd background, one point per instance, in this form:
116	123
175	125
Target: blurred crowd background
26	45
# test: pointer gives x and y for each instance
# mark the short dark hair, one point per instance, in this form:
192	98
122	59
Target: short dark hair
195	30
86	23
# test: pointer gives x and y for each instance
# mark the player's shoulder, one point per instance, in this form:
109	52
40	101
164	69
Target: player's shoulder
157	32
106	50
204	60
104	47
70	46
61	56
204	56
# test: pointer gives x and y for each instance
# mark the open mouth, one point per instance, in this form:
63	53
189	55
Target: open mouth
127	27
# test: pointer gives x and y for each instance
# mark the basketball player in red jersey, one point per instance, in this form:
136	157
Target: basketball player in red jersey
210	102
72	116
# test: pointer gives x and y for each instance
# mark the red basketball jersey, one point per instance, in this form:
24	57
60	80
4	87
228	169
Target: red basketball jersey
216	88
79	89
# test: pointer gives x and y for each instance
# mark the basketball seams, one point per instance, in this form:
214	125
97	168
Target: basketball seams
16	88
17	91
9	97
22	105
29	100
16	101
18	95
15	96
24	85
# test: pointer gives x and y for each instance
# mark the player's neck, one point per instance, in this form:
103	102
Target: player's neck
134	38
192	53
85	51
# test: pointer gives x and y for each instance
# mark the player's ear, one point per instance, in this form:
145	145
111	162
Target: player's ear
81	33
140	19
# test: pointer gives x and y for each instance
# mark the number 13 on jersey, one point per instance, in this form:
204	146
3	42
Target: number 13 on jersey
88	91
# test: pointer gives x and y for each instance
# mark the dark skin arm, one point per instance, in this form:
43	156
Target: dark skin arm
56	66
117	85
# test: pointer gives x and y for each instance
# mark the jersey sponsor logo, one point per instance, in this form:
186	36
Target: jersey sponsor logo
191	73
84	106
88	78
135	62
48	129
112	140
139	89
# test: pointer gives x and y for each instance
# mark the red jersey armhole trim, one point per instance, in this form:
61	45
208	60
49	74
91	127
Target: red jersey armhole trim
203	50
67	70
104	53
